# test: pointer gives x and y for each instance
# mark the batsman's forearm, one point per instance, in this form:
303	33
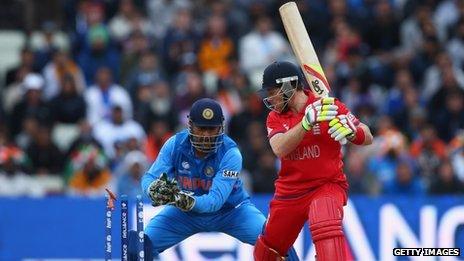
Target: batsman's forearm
362	136
284	143
368	139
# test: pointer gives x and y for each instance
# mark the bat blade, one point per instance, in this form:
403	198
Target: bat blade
303	49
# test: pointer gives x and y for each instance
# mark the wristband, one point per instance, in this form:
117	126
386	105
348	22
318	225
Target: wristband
360	137
305	124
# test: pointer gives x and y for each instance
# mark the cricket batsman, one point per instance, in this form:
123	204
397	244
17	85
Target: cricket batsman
305	133
197	176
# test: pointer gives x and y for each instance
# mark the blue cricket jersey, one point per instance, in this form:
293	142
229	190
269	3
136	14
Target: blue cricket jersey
214	180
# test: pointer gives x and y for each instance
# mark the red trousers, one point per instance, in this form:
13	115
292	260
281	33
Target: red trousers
287	217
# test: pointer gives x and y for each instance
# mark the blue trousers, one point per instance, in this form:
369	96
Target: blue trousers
244	222
172	225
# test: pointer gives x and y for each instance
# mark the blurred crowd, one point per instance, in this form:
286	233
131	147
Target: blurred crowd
91	105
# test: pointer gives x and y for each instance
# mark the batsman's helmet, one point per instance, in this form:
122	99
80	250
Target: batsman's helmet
206	113
285	76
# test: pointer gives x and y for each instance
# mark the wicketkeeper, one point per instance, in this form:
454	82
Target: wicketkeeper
197	176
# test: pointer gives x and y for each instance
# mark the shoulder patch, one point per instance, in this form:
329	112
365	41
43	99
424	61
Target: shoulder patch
230	174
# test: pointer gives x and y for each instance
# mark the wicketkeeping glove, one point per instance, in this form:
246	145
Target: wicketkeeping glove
341	127
321	110
163	190
184	200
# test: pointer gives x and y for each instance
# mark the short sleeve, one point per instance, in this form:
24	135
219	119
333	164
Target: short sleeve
274	125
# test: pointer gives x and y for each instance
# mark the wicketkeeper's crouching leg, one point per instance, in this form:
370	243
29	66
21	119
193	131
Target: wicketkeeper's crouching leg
325	223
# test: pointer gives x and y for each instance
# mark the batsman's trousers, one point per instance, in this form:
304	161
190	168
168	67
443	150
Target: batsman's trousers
322	207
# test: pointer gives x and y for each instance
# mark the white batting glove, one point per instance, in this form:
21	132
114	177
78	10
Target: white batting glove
342	128
321	110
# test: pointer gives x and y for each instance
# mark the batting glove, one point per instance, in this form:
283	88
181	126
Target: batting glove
321	110
184	200
162	190
341	127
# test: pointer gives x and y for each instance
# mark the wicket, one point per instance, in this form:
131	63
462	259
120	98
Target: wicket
124	227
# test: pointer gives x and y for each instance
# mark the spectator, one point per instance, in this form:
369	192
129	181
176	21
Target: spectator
395	99
55	72
448	120
456	45
416	122
98	52
216	48
350	62
261	47
181	39
13	179
447	13
254	145
162	14
45	156
159	133
193	91
146	71
389	147
26	64
339	10
424	57
360	181
135	51
103	95
266	173
117	129
383	32
428	150
252	111
90	174
457	160
446	181
155	103
134	166
127	20
69	106
13	93
440	78
31	106
48	46
405	183
29	128
84	139
412	37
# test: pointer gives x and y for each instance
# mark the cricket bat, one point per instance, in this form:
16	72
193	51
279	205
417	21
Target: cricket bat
303	49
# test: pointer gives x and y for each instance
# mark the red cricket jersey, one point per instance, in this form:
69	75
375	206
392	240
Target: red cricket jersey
315	161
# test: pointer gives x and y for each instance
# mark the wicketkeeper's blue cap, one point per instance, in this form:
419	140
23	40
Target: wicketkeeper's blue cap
206	112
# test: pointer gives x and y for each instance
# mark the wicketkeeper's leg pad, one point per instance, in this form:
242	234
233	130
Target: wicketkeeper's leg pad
325	223
262	252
